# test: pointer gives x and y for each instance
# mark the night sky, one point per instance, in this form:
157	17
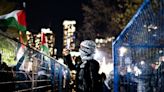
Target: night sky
51	13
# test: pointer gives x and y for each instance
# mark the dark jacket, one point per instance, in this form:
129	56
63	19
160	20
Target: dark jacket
68	62
159	78
88	79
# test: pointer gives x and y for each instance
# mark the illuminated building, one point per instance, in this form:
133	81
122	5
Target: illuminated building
69	29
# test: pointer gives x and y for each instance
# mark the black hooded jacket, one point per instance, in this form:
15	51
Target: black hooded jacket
88	78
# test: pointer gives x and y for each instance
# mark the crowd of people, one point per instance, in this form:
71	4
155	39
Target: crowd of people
143	76
85	76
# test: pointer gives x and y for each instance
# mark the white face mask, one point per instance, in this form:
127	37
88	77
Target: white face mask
87	50
85	56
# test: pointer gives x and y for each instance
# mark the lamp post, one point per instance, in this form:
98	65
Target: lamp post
122	51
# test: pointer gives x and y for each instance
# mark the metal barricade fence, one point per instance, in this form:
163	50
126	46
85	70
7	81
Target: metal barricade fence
138	52
34	72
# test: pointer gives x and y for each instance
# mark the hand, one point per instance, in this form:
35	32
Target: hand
66	52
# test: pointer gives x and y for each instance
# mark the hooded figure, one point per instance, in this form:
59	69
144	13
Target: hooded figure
159	75
88	79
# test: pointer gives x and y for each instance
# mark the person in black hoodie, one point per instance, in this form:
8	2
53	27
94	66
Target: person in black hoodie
87	77
159	75
68	59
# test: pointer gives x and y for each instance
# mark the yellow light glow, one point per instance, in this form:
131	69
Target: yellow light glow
122	50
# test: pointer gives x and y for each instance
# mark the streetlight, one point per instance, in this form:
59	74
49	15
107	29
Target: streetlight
122	51
97	40
101	40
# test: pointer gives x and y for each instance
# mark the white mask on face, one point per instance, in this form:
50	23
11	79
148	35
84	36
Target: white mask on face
87	49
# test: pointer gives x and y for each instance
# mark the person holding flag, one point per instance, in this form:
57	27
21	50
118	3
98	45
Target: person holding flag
45	60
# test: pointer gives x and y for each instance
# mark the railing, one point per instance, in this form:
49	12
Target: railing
37	72
138	52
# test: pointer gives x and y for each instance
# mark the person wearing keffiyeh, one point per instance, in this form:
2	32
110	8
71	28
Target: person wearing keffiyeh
88	78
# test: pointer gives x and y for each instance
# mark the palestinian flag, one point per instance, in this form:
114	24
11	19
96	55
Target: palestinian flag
20	56
15	19
21	48
44	45
45	50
